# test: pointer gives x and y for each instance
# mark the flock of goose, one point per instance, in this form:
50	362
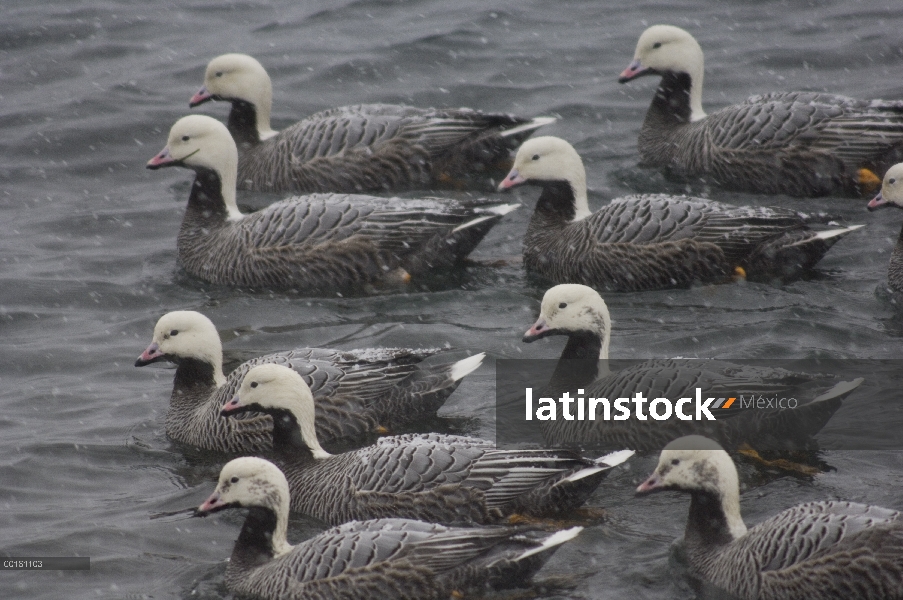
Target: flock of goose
428	515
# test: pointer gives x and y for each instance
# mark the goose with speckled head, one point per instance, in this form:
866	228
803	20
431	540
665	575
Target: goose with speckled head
649	242
367	560
365	148
795	143
309	244
826	549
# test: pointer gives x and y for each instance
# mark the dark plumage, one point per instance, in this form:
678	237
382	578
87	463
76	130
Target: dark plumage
358	393
312	243
578	312
364	148
385	558
795	143
434	477
824	550
653	241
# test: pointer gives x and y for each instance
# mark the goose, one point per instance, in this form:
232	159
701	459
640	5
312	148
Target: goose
311	243
654	241
382	558
363	148
891	194
795	143
579	313
825	550
434	477
359	393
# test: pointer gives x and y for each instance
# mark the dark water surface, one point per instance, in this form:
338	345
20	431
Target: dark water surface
88	91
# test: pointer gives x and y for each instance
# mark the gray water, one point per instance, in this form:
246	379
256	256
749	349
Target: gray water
88	91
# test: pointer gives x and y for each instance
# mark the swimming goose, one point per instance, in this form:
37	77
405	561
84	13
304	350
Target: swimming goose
358	393
891	194
651	241
434	477
580	314
795	143
824	550
384	558
364	148
311	243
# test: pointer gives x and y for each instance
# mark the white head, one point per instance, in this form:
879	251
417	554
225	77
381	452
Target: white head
271	387
248	482
697	464
665	48
201	142
239	77
571	308
186	334
550	159
891	193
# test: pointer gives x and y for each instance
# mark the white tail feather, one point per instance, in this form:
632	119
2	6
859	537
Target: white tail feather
615	458
580	475
828	234
556	539
496	211
844	387
535	123
466	366
503	209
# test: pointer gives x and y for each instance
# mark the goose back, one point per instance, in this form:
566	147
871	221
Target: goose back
657	241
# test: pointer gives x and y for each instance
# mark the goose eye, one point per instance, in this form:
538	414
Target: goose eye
253	384
219	73
535	157
675	462
174	332
563	305
234	480
656	45
185	138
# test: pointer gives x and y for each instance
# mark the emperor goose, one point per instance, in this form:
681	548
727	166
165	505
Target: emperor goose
825	550
384	558
358	393
795	143
891	194
310	243
434	477
652	241
580	314
363	148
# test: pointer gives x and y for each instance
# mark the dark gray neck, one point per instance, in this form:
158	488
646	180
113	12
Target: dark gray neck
671	104
243	123
194	379
582	344
206	200
556	203
254	546
578	365
707	524
287	441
